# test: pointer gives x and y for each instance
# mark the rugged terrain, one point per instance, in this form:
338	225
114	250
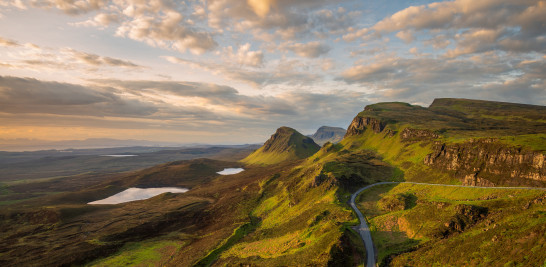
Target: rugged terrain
289	206
328	134
457	140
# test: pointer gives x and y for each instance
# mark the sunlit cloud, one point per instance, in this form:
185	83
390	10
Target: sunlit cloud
190	67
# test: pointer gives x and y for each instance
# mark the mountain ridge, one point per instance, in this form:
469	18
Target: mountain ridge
285	144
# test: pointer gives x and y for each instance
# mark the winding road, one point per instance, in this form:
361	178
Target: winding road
364	230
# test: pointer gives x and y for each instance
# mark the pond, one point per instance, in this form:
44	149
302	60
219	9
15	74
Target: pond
134	193
228	171
119	156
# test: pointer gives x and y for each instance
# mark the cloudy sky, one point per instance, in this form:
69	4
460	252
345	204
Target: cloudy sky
232	71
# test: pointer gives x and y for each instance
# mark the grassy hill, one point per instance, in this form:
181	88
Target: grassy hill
456	141
417	225
285	144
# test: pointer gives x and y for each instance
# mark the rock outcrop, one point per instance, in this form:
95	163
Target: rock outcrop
417	134
465	217
488	162
360	124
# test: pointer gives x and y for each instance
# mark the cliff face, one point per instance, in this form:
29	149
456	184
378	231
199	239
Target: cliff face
420	141
417	134
360	124
487	162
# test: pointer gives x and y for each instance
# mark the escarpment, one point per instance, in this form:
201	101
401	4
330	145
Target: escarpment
479	143
488	162
360	124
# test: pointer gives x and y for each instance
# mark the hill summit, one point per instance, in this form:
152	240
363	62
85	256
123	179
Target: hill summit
328	134
285	144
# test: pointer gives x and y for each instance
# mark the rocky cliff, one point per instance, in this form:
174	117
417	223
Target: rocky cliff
488	162
360	124
482	143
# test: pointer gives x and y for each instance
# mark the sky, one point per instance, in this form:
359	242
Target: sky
232	71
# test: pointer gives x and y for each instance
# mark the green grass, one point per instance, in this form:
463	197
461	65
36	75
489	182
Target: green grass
237	235
300	223
259	157
414	232
151	253
534	141
285	144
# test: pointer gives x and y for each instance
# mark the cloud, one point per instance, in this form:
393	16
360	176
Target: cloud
167	31
8	42
244	56
287	20
309	50
71	7
13	3
96	60
406	36
26	95
487	76
286	72
31	56
260	7
150	106
513	26
157	23
101	20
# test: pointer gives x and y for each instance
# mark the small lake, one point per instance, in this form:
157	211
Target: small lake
134	193
228	171
119	156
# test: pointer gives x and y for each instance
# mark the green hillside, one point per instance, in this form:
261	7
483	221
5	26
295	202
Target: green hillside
289	205
456	141
418	225
285	144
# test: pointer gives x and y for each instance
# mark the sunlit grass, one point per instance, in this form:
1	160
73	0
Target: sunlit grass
153	253
404	230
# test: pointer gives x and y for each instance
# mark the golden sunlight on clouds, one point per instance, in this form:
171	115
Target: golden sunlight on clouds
81	133
260	7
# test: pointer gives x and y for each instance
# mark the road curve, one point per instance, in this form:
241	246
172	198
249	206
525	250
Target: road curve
364	230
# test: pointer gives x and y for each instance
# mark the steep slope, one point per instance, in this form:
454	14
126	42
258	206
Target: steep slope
328	134
465	141
285	144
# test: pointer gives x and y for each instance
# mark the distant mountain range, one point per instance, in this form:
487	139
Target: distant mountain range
36	144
